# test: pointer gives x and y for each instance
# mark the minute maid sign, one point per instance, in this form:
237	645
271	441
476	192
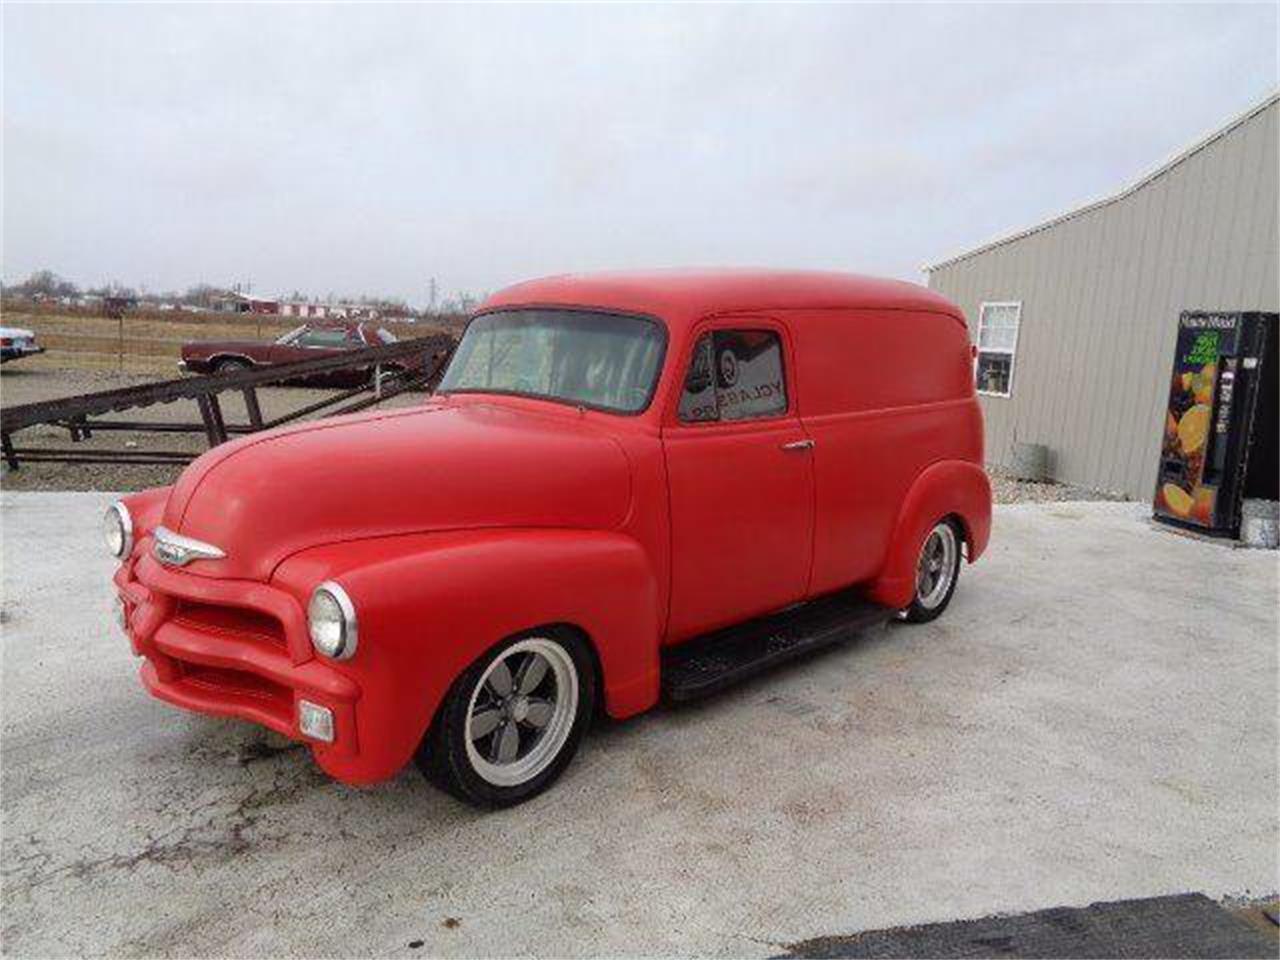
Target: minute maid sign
1218	333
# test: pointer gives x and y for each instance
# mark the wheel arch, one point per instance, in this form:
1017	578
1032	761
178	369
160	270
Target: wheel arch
955	489
590	642
427	612
216	359
965	529
540	630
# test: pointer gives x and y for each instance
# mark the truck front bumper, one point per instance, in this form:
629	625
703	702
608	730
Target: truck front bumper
235	649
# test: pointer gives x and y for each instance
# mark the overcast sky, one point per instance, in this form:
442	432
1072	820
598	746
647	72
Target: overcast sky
354	149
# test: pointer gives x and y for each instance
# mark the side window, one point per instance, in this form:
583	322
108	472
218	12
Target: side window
734	375
322	337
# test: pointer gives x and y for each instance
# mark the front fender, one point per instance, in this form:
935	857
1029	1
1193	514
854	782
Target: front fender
947	488
429	605
146	510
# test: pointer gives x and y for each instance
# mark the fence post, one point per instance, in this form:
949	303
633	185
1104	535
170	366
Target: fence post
211	413
251	406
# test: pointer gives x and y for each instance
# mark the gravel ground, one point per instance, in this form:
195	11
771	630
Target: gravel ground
1007	488
19	384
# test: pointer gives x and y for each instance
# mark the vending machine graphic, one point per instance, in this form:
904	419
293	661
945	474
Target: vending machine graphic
1220	426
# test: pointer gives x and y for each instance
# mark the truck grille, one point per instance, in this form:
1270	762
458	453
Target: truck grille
238	623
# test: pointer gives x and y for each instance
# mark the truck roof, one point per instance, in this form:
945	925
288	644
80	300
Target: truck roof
685	295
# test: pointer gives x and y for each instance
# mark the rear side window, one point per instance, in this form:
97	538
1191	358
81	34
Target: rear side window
734	375
322	337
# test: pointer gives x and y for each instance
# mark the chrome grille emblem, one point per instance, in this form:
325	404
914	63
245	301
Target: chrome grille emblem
175	550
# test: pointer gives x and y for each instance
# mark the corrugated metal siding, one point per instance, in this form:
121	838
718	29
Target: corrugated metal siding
1101	292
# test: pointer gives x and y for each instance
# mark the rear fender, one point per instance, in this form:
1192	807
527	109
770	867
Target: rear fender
429	605
947	488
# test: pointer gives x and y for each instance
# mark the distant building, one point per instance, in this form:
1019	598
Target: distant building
331	311
1074	320
301	308
243	303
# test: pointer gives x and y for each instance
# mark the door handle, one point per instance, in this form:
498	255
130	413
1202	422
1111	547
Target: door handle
798	445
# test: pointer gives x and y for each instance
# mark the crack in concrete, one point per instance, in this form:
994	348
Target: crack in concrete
207	834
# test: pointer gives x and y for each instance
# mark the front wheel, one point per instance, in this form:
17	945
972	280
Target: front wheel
512	722
937	572
231	365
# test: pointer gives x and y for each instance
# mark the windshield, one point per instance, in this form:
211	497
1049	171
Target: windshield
594	359
288	337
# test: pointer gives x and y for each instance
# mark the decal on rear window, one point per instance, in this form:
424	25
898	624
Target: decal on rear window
734	375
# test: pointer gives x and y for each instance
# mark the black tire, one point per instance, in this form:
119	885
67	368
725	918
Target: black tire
444	757
929	604
231	365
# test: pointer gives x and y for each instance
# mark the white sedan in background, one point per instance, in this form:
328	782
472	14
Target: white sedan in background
16	343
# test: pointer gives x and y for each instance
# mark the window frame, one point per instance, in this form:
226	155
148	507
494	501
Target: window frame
649	318
1011	352
734	324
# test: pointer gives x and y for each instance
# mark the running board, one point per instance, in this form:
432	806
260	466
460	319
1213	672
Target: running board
713	661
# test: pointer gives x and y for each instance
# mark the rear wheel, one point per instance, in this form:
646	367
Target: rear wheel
512	722
937	572
231	365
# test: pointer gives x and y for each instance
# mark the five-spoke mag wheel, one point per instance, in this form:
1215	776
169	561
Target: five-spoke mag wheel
937	570
513	720
521	711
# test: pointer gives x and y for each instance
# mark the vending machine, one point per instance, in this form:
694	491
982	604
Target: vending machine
1220	428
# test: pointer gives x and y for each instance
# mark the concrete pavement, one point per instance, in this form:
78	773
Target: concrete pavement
1094	718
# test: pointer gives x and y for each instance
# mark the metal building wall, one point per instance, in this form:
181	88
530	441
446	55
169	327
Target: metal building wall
1101	290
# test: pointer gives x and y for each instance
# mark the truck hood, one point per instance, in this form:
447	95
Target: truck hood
262	498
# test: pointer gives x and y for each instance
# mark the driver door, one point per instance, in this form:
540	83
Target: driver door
740	475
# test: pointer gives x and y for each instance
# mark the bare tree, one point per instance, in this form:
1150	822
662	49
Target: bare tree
44	283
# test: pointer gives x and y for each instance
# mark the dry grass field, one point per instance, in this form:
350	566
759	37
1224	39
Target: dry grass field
150	342
86	353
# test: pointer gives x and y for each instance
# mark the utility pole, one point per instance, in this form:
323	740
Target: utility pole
248	289
433	295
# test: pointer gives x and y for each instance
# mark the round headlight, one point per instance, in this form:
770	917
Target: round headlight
117	530
331	618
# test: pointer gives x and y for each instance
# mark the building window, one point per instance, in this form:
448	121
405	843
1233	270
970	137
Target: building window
997	344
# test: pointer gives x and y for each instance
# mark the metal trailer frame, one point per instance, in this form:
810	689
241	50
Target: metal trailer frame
80	414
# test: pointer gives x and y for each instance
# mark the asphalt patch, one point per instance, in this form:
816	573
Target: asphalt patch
1187	925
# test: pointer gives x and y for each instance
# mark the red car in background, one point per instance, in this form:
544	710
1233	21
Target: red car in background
306	342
